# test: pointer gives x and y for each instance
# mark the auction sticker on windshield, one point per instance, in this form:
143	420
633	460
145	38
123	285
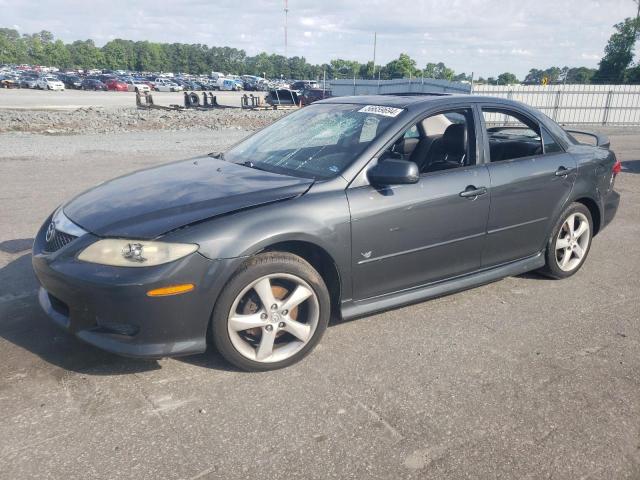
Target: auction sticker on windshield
380	110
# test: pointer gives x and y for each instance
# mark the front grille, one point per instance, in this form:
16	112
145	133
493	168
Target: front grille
58	240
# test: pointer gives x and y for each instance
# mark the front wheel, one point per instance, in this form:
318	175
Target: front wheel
272	313
569	243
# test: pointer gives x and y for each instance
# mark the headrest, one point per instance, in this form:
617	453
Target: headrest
454	139
406	146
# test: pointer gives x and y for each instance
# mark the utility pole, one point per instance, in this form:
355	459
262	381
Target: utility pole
375	41
286	14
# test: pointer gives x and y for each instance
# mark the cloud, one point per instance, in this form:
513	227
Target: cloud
590	56
523	52
487	37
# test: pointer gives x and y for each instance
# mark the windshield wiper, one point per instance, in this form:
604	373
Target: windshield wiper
250	164
218	155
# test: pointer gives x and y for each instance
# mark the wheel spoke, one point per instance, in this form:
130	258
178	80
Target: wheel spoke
299	295
299	330
570	223
238	322
566	257
577	249
263	289
265	349
562	243
582	228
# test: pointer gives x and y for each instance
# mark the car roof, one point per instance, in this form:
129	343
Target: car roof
414	100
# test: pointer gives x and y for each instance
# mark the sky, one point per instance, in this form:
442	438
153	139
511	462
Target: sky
486	37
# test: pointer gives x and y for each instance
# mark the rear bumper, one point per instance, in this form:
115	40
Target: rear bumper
108	307
610	207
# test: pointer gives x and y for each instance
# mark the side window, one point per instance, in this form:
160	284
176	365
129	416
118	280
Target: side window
550	145
511	135
412	132
448	142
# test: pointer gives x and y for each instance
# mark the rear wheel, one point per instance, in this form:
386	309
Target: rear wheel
272	313
569	243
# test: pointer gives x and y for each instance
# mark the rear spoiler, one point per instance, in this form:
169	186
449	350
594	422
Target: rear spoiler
601	140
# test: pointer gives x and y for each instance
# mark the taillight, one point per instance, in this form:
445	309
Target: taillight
617	168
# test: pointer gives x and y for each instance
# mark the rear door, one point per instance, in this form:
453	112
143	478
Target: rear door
531	178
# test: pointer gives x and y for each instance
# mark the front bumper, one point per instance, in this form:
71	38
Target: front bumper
108	306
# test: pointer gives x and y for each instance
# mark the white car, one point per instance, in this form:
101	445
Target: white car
164	85
49	83
133	86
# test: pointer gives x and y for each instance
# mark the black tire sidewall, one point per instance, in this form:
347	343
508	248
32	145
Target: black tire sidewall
256	267
551	268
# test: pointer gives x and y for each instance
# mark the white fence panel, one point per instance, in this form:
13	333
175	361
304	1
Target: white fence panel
342	88
575	104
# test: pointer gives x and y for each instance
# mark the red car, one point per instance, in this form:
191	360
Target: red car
116	85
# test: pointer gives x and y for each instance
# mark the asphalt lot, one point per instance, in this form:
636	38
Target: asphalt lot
31	99
526	378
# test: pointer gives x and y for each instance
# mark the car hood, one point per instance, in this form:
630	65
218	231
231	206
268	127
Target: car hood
148	203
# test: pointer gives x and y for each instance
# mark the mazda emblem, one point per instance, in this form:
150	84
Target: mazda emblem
51	231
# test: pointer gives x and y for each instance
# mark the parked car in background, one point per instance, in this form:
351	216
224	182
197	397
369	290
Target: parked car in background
144	81
70	81
49	83
310	95
29	81
134	86
9	81
116	85
93	84
166	85
226	84
300	85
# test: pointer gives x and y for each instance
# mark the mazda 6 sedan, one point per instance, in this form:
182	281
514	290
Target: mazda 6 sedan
349	206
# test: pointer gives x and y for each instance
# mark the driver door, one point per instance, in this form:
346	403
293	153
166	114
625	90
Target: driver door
405	236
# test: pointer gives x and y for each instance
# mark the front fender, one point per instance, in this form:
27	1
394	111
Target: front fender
320	218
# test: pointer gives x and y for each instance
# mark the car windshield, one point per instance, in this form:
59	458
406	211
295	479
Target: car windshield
318	141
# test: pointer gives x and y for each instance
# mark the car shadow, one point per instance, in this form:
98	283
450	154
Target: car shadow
25	325
631	166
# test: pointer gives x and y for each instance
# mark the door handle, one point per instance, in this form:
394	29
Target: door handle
472	192
563	171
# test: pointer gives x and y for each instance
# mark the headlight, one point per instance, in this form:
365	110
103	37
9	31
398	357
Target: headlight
135	253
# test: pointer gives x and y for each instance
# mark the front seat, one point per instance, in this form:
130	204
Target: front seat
450	151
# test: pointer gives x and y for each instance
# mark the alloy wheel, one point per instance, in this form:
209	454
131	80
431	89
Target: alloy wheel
273	318
572	242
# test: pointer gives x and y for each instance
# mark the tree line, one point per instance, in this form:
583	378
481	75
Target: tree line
43	49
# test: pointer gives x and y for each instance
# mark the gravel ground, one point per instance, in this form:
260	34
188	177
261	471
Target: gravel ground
525	378
75	112
100	120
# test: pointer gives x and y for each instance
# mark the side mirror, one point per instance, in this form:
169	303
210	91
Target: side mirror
394	172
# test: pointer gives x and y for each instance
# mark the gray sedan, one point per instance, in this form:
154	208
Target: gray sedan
349	206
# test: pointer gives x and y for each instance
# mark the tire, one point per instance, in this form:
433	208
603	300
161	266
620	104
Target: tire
276	275
136	90
558	265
